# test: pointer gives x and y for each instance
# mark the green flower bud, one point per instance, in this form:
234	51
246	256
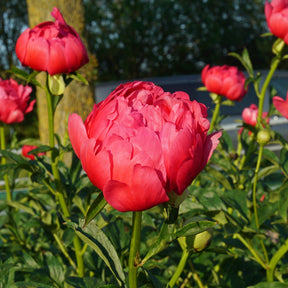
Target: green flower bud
56	84
200	241
263	137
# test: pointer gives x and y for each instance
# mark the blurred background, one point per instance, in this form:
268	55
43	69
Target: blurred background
148	38
165	41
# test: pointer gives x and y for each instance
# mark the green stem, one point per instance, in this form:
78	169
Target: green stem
134	249
275	259
3	162
62	248
185	255
195	274
215	113
260	153
239	149
79	256
58	184
255	185
273	68
253	252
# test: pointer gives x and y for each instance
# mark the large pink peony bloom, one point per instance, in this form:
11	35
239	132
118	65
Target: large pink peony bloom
14	101
250	115
54	47
141	143
281	105
224	80
276	14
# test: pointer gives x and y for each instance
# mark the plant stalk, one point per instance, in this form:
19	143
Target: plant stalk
215	113
4	161
59	188
134	249
251	249
260	153
273	68
275	259
185	255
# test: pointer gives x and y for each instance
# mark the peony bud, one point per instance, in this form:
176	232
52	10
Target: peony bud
263	137
200	241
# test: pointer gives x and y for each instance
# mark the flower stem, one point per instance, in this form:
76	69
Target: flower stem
134	249
273	68
3	162
251	249
260	153
275	259
215	112
255	185
180	268
59	188
62	248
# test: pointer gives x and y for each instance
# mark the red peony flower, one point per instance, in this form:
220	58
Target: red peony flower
224	80
250	114
142	143
14	101
27	148
276	14
54	47
281	105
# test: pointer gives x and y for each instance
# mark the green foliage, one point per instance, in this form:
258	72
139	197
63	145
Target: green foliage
59	231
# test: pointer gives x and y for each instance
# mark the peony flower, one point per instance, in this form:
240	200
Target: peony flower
281	105
224	80
27	148
14	101
276	14
142	143
250	115
54	47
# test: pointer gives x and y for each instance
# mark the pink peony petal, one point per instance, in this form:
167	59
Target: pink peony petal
77	132
281	105
57	61
96	165
37	54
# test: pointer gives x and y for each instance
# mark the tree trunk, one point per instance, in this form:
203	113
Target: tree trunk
78	98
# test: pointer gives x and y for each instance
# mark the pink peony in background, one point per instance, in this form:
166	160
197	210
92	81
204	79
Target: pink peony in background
54	47
14	100
224	80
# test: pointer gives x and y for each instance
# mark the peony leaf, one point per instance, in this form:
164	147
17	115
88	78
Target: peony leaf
32	284
202	88
283	204
193	228
93	236
166	236
29	78
13	156
284	160
270	285
245	61
21	207
78	77
96	207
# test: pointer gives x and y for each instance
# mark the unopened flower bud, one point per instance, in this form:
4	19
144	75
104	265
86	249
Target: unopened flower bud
200	241
263	137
